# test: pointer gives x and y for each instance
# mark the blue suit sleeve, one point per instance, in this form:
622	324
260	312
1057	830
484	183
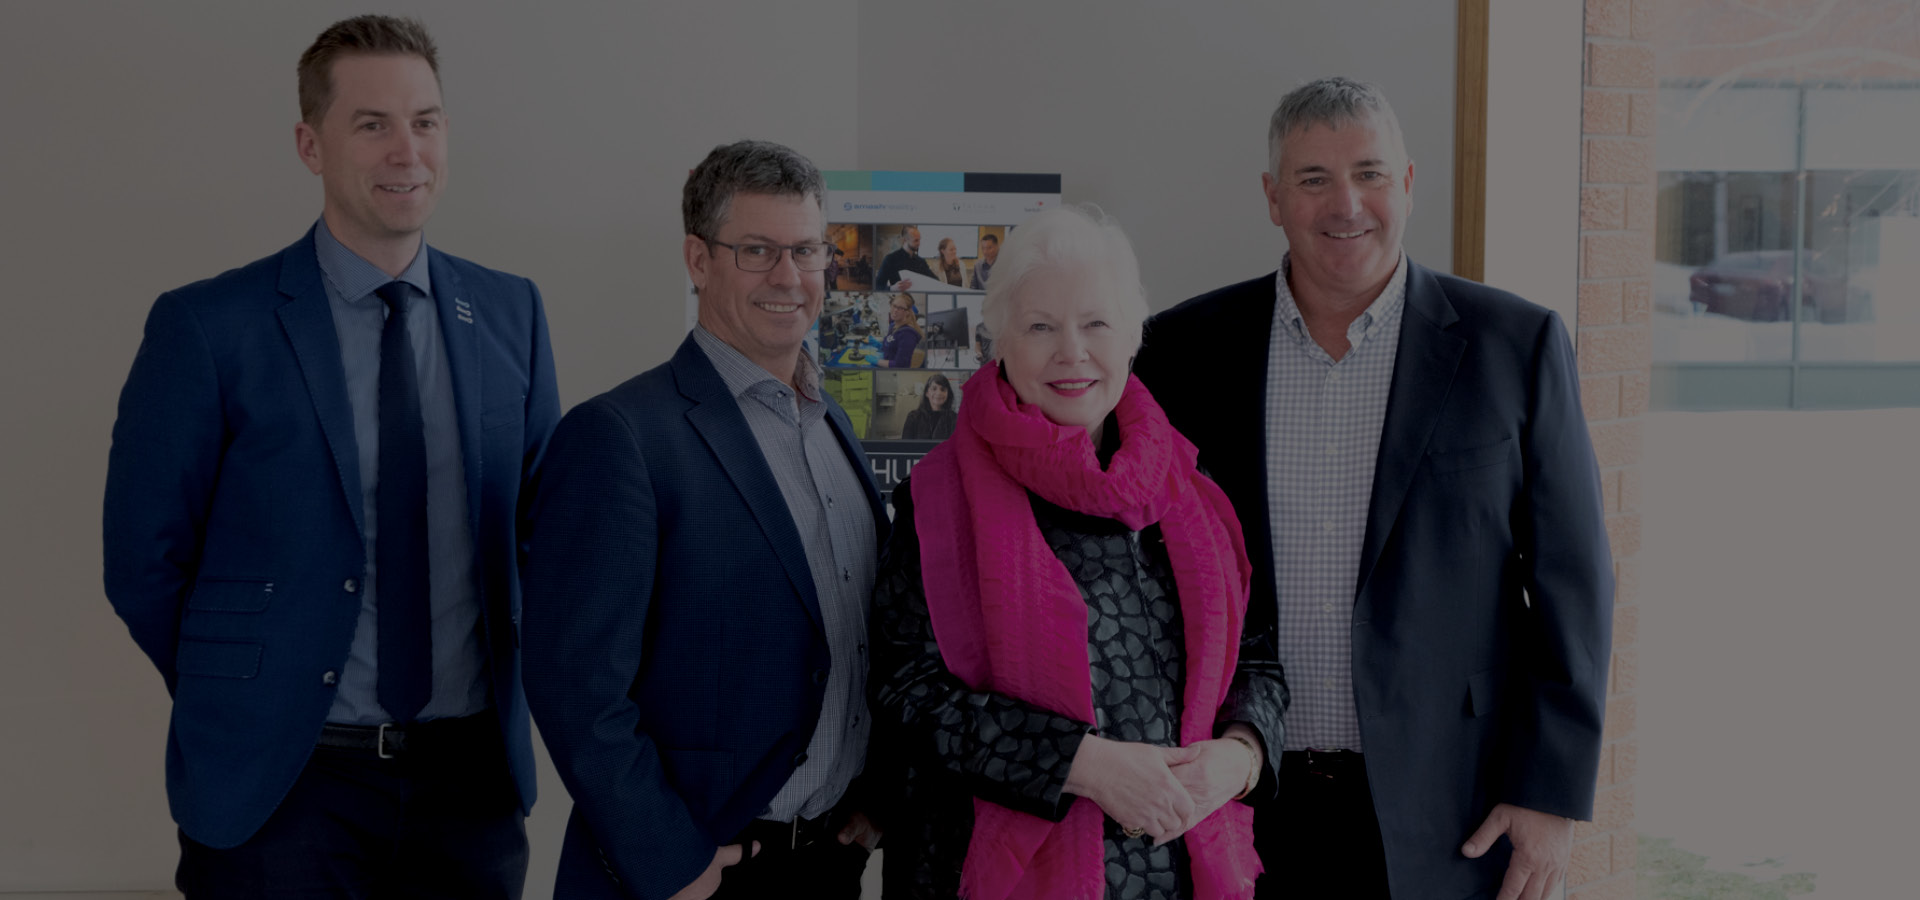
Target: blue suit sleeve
542	414
589	584
1568	633
161	472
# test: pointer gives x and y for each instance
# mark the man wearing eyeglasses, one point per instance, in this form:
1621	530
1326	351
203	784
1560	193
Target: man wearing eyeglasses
697	582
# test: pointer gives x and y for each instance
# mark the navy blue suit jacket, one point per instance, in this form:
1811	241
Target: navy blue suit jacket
233	520
1482	620
676	661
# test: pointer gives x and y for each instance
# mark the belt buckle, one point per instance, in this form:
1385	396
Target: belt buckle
1320	763
380	742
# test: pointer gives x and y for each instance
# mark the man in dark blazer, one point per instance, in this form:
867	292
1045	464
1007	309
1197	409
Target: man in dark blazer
903	263
1408	455
700	569
311	517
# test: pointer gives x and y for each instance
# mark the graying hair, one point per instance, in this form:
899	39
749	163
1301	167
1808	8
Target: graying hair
745	167
1333	101
1066	236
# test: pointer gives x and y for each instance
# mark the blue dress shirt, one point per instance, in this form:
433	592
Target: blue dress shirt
459	660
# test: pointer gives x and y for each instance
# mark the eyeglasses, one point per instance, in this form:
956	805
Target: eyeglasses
812	256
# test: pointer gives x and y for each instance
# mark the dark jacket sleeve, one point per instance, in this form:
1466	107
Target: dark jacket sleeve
1257	697
1004	750
542	415
1554	743
589	584
167	445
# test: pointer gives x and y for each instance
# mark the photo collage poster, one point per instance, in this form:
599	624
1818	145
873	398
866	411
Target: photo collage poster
900	329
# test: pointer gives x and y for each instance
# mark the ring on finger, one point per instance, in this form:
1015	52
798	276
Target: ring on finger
1133	832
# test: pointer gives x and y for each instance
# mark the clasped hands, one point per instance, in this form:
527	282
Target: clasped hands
1163	791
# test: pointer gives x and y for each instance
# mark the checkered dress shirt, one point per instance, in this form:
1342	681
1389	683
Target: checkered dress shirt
828	502
1323	437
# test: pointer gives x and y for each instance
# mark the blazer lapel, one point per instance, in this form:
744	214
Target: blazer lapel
308	321
458	333
1423	371
716	416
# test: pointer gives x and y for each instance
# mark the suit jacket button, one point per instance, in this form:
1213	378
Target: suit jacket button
819	676
351	585
329	677
800	760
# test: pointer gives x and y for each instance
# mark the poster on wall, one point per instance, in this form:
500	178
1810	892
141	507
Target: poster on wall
900	329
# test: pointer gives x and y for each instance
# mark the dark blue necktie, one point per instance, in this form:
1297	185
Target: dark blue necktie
400	501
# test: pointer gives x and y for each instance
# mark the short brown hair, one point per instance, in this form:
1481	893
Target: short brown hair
745	167
358	36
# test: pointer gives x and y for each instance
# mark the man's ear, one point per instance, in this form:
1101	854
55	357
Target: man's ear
306	143
694	251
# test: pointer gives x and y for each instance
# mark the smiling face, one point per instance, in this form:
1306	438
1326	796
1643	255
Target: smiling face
949	252
902	311
380	151
1342	195
764	315
937	395
1067	346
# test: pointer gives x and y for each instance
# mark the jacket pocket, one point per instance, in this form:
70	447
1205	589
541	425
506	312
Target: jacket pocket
1441	462
501	415
231	594
217	659
1480	693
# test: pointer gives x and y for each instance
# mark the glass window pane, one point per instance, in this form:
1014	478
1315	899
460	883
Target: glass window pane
1860	299
1723	267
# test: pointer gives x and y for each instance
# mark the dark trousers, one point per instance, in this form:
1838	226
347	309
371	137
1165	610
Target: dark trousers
1319	837
823	869
442	819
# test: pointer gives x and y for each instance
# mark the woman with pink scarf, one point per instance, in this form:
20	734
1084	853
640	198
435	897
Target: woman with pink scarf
1071	696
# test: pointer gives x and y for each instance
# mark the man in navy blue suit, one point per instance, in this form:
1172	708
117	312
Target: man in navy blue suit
1407	453
699	575
311	520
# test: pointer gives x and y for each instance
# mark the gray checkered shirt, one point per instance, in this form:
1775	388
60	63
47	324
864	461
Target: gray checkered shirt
828	502
1323	437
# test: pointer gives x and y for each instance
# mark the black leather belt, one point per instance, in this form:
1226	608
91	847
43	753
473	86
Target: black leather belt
786	836
1333	765
393	740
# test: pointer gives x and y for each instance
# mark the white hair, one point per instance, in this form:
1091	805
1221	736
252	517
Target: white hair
1073	236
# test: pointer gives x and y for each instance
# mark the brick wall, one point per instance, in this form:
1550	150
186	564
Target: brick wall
1616	292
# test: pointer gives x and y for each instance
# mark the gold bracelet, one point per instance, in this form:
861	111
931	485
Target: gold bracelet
1253	772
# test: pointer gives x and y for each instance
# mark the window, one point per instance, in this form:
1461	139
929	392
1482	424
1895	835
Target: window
1787	244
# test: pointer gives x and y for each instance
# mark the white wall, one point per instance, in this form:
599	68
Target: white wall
1156	110
148	145
1533	151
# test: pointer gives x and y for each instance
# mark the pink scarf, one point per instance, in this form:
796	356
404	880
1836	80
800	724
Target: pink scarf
1009	617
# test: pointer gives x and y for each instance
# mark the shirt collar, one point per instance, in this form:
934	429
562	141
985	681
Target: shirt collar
743	375
1287	310
355	279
